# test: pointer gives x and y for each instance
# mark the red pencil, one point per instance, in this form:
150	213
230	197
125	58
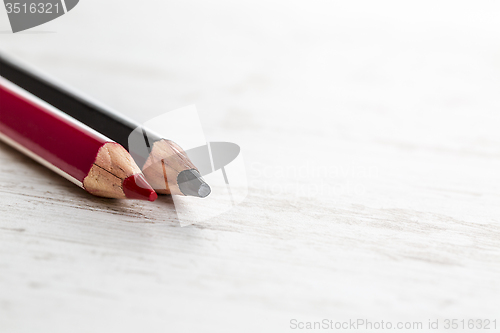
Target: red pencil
73	150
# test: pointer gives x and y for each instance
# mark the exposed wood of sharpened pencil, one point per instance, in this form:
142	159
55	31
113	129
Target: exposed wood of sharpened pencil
71	149
165	162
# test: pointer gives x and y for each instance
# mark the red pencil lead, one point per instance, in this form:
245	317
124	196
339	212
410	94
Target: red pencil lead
136	187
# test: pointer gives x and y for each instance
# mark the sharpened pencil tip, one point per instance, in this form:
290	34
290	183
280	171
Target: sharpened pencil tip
191	184
136	187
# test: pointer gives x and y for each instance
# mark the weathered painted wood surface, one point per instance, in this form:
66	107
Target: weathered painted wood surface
370	136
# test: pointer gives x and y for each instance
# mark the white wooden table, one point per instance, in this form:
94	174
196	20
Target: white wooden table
370	133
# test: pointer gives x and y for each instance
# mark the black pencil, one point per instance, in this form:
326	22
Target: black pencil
164	164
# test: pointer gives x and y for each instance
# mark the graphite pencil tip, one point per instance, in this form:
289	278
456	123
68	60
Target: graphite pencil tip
136	187
191	183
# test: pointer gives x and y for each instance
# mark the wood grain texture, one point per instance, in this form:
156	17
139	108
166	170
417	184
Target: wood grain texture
163	166
113	164
370	136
